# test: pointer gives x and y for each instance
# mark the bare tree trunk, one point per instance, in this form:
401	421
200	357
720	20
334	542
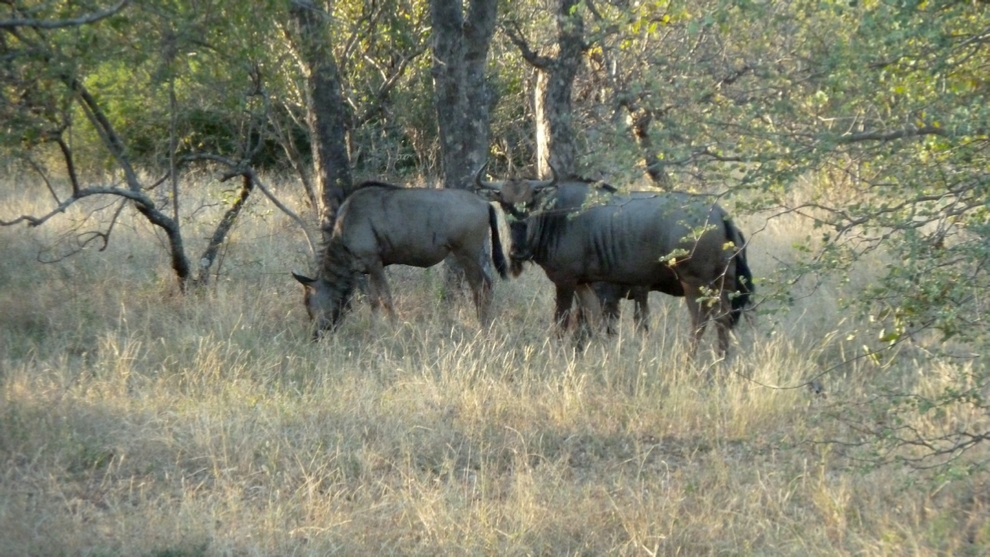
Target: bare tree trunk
555	138
325	109
462	97
557	109
544	141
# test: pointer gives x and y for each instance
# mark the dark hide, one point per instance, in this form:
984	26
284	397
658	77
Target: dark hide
675	243
380	225
583	193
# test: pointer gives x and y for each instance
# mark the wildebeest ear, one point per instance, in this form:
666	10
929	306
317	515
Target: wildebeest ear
489	195
304	280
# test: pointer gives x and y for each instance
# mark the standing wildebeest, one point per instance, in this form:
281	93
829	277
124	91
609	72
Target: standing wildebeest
673	242
380	225
578	194
573	195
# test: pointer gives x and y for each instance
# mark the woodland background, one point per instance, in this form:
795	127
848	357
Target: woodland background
163	165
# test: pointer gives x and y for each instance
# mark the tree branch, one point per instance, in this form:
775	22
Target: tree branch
240	170
70	165
104	128
515	35
911	131
62	23
32	221
377	103
223	228
285	139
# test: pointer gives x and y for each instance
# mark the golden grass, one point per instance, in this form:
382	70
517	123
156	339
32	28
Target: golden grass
135	421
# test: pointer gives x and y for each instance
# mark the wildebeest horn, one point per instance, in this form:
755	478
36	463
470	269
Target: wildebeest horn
539	185
497	186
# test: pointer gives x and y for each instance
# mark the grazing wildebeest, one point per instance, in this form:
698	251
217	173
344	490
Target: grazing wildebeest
677	243
380	225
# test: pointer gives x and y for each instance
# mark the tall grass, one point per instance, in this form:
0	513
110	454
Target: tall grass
135	421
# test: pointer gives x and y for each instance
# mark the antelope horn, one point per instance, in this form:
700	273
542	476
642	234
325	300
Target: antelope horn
497	186
539	185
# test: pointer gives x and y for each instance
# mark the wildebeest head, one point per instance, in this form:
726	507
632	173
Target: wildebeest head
326	302
511	194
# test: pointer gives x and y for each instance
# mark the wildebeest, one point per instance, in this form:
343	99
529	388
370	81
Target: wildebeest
573	194
677	243
380	225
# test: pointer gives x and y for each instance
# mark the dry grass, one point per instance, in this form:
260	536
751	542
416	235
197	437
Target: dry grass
134	421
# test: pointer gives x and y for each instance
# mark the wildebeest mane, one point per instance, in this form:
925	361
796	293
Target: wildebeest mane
334	261
553	220
550	225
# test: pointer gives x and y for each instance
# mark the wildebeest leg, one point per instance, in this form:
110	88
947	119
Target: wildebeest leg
588	317
608	295
641	311
723	323
591	308
562	313
699	315
702	313
719	310
610	312
378	290
481	288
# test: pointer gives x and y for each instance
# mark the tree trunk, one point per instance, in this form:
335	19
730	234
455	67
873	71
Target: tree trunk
324	107
655	168
555	139
462	97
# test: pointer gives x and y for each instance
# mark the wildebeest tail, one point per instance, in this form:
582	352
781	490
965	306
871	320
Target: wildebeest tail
744	276
498	256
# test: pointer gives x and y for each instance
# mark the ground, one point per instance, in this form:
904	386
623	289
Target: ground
135	420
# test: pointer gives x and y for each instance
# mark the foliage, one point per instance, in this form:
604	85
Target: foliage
869	118
383	42
84	78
